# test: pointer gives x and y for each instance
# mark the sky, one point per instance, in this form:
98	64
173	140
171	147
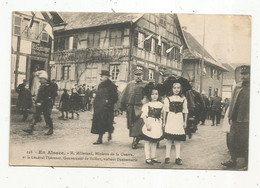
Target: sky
227	37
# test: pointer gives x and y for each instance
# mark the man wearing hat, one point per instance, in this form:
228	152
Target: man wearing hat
131	102
103	104
239	119
43	104
206	105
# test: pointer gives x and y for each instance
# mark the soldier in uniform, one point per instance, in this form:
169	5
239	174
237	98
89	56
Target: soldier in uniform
131	102
239	119
43	104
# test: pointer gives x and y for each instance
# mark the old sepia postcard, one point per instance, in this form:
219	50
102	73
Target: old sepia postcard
130	90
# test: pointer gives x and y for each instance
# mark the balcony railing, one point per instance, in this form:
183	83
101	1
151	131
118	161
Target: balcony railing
91	54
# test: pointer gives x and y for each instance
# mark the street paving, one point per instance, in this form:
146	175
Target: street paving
71	145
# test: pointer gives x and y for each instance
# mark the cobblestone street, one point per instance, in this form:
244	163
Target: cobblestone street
206	150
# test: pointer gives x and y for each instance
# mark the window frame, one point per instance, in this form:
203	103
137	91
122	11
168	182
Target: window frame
20	25
68	71
149	74
44	32
116	38
95	34
114	75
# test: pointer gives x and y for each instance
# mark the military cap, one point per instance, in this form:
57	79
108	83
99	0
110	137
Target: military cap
244	69
138	72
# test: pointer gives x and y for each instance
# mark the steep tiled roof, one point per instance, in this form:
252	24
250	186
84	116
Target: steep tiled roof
195	51
76	20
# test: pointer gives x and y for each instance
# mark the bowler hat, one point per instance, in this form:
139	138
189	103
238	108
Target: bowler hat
244	69
105	72
138	72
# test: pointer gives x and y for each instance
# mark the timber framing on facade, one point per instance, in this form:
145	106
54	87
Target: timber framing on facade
118	42
212	74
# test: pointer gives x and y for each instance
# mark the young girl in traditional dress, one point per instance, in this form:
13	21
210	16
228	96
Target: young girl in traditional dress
175	113
152	129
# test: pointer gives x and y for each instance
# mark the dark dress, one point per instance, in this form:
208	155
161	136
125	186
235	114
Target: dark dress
25	100
19	90
103	117
74	102
65	102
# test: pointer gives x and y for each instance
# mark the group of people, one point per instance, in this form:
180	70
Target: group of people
81	98
213	109
40	100
154	112
169	110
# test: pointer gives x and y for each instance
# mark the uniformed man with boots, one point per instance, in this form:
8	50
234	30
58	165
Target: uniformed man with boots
43	104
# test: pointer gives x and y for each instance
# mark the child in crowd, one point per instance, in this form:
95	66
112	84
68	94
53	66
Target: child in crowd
175	121
26	101
74	103
152	129
64	104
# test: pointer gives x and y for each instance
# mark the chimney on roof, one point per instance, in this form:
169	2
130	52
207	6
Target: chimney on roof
184	28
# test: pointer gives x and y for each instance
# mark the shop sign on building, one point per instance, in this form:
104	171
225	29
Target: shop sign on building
39	50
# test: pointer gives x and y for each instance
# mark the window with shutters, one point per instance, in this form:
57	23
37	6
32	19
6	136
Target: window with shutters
164	48
75	42
17	25
218	75
33	32
44	35
150	74
140	40
93	40
114	72
162	20
147	44
153	45
115	38
66	72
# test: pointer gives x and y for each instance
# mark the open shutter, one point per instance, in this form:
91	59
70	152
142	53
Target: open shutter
123	71
58	71
72	72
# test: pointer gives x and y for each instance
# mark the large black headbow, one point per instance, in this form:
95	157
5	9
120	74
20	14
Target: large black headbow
168	83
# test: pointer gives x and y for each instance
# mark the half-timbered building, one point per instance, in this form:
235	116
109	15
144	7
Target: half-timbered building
118	42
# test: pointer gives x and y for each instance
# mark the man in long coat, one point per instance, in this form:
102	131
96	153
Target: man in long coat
131	102
103	117
239	119
216	109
